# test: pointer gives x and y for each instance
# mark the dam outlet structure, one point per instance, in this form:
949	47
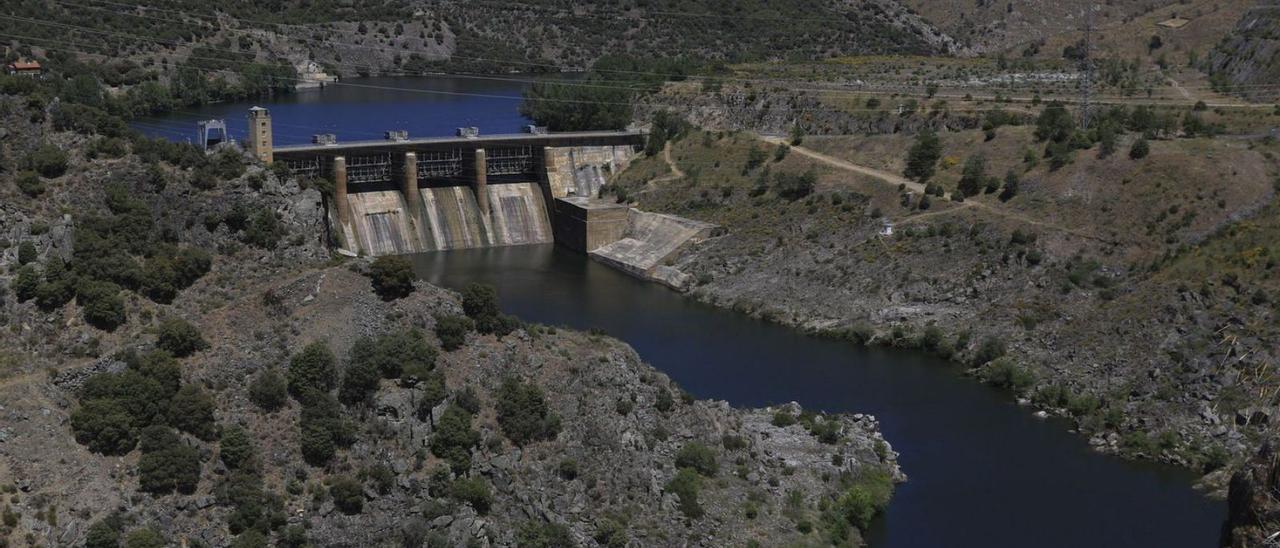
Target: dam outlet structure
403	195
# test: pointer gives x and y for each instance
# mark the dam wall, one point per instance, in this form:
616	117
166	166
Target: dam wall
582	170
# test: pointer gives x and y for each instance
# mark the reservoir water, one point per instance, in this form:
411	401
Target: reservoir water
363	108
984	472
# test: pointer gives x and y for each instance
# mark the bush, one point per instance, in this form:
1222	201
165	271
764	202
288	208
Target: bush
25	283
698	457
523	413
30	184
265	231
1139	149
452	331
48	160
324	427
348	495
102	304
861	502
392	277
317	444
145	538
104	533
664	402
235	448
783	419
250	539
990	349
468	400
1005	373
473	491
192	412
27	253
180	338
454	439
268	390
405	354
359	381
792	187
104	426
536	534
311	369
167	464
252	508
685	486
922	158
480	303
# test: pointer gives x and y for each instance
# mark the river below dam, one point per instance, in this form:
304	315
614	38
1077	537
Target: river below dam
984	472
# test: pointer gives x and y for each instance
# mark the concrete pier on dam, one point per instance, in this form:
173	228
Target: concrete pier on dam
401	196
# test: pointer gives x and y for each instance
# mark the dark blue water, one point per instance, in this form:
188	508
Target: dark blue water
363	108
984	472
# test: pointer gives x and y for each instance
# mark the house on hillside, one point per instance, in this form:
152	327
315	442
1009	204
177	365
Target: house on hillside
23	67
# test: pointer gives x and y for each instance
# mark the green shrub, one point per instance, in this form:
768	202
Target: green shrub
311	369
685	485
48	160
27	253
191	411
480	303
235	448
1005	373
104	533
868	496
783	419
104	426
324	427
348	495
792	187
541	534
102	304
664	402
265	231
469	400
392	277
405	354
523	413
452	331
610	534
250	539
178	337
473	491
145	538
1139	149
167	464
252	508
268	390
990	349
698	457
30	184
454	439
25	283
359	381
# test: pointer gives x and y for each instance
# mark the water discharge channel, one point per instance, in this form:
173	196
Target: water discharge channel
984	472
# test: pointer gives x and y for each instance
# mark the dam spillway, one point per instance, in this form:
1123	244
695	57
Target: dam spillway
402	196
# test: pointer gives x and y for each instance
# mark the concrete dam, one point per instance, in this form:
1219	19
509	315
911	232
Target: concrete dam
401	196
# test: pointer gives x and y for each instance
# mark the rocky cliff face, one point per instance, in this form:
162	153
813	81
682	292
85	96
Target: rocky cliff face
1253	515
1247	61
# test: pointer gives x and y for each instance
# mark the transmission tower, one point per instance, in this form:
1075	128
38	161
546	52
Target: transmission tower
1086	86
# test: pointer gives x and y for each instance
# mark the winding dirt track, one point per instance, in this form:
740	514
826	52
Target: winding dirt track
896	180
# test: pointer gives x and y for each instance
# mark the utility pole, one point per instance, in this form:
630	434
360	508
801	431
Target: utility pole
1086	86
